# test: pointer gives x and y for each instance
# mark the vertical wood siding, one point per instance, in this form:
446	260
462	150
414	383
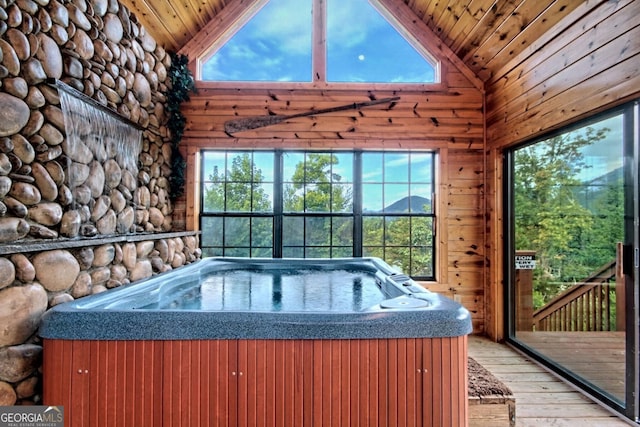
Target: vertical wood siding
394	382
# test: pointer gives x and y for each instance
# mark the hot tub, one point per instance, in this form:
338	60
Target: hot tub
243	342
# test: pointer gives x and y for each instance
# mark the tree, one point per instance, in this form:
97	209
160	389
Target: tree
550	217
238	191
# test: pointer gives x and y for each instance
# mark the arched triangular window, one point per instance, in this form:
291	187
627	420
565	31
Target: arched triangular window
330	41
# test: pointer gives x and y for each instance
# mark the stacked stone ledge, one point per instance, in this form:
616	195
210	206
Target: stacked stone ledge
98	48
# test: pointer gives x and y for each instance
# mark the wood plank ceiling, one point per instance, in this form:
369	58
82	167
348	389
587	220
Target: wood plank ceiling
485	34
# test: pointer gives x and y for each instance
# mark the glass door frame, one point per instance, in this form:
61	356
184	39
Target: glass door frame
631	260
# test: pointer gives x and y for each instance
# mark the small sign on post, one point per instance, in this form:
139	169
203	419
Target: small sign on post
525	262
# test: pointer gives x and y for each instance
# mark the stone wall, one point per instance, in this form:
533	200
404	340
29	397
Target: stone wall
60	241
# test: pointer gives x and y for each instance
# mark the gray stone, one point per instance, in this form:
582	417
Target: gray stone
17	208
50	56
25	193
84	44
77	16
113	174
77	173
47	213
96	179
70	224
55	171
25	271
143	249
100	208
8	395
14	114
5	186
129	255
16	86
12	229
19	43
57	270
23	149
5	164
103	255
118	202
9	58
100	276
46	184
59	13
41	232
7	273
51	134
36	120
18	362
82	286
20	310
113	28
60	299
33	71
35	98
142	270
108	223
125	220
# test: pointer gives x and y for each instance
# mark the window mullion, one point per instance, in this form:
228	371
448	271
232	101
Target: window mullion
319	45
277	204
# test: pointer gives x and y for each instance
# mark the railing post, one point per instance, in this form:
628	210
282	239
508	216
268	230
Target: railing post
525	262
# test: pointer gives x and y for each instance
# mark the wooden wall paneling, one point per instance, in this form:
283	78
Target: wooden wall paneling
426	37
218	29
579	65
531	29
495	283
192	187
529	21
588	59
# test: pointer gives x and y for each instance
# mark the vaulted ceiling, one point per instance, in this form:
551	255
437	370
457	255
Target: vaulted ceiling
485	34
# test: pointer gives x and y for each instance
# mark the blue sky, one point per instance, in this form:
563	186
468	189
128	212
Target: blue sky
275	45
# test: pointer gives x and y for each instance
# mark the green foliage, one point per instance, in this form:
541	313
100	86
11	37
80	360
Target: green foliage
572	238
181	85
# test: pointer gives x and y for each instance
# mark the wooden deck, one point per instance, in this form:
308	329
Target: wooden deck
541	398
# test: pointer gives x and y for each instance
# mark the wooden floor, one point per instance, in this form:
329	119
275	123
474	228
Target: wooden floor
598	357
541	398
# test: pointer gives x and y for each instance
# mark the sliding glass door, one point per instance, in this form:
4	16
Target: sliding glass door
573	250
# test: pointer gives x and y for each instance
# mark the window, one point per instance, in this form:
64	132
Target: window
363	44
308	204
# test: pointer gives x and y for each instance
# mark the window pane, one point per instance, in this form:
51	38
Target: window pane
317	231
237	252
262	232
213	168
421	168
421	261
342	232
396	198
290	163
292	231
397	231
341	198
211	231
421	198
318	198
213	197
396	167
292	252
341	252
373	231
236	232
421	231
372	200
262	200
362	46
311	252
372	166
274	45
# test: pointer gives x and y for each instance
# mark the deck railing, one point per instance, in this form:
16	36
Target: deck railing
597	304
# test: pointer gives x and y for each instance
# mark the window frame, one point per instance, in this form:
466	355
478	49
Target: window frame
278	214
319	54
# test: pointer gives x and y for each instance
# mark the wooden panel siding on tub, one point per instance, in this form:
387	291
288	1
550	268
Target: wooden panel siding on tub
235	383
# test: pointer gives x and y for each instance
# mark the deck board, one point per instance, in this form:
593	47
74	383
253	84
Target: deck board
542	399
